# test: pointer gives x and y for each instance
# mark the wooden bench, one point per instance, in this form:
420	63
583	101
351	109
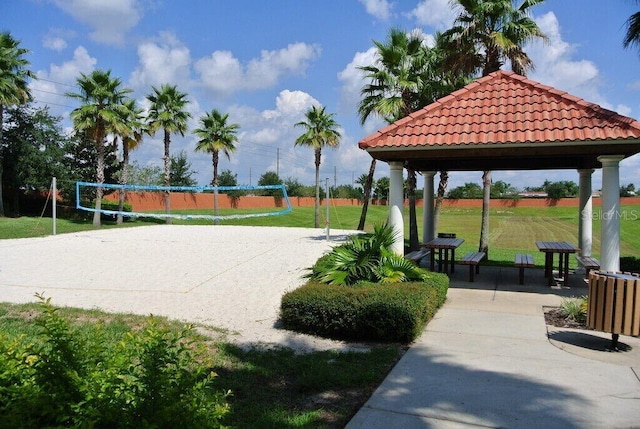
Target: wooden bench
417	255
473	261
588	263
523	261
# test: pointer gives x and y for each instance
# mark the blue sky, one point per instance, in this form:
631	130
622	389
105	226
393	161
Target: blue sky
266	62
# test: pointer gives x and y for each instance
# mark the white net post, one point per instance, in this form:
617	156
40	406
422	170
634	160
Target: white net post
54	201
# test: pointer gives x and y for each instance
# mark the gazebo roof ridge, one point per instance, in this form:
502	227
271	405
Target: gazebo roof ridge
488	123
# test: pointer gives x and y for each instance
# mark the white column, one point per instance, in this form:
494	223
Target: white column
427	199
610	241
585	221
396	204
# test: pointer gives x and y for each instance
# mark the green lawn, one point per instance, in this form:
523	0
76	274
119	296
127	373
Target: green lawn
512	230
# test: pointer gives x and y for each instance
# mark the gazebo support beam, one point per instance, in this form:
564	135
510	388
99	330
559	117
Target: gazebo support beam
396	204
585	221
428	230
610	241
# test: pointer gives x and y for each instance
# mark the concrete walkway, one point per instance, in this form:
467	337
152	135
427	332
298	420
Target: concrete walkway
488	360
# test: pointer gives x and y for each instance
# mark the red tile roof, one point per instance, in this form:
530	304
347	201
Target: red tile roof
504	108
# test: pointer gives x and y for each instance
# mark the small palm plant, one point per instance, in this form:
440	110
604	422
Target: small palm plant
366	258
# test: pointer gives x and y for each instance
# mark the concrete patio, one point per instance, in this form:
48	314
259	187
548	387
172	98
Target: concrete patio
489	360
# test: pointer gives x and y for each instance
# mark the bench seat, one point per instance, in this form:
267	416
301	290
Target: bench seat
523	260
472	259
589	263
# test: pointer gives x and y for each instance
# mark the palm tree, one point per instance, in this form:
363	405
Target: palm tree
102	108
131	135
215	136
632	37
485	35
167	111
407	76
320	131
13	84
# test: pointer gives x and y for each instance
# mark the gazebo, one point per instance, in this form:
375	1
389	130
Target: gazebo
505	121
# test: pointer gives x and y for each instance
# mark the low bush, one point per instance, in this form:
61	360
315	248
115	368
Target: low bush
574	309
389	312
152	378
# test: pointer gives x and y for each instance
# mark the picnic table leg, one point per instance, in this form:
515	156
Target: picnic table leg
453	260
432	258
560	264
548	257
439	259
566	269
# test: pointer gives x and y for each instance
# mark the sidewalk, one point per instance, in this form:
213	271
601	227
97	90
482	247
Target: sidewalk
487	360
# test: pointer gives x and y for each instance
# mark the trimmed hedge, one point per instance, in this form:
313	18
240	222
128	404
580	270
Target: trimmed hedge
396	312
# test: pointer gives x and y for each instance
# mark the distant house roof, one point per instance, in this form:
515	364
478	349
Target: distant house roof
505	121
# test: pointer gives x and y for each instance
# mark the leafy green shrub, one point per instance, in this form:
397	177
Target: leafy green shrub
378	312
152	378
574	309
366	258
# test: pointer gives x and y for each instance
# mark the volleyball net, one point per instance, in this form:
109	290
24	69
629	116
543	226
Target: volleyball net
185	202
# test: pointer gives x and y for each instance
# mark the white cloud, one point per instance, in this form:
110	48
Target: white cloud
166	60
52	84
224	74
556	66
352	79
435	13
381	9
55	43
110	20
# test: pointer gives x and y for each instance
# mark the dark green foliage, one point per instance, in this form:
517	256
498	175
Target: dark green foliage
468	190
396	312
180	171
628	190
563	189
381	189
31	153
151	379
630	264
366	258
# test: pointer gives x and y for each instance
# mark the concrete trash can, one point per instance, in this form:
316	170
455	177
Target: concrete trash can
614	304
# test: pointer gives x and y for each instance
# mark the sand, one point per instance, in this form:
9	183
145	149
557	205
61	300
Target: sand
226	277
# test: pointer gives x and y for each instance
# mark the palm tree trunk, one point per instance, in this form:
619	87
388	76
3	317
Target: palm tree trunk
100	134
215	159
167	174
414	243
367	195
123	181
442	190
316	216
486	198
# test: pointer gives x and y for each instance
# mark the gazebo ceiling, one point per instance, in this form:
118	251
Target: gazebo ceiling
505	121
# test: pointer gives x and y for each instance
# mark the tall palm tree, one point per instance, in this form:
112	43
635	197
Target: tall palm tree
13	84
632	37
167	111
101	110
485	35
215	136
407	76
320	131
130	134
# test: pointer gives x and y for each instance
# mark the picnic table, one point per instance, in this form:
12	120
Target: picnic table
446	248
563	249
